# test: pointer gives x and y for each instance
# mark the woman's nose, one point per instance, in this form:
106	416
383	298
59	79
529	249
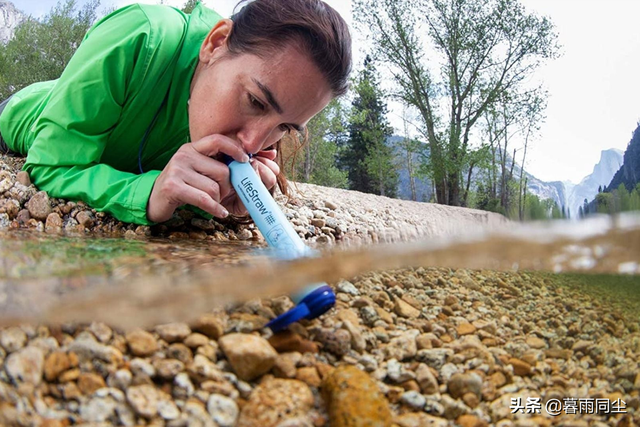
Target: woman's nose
259	137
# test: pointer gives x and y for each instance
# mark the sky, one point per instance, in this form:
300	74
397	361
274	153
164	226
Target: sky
594	86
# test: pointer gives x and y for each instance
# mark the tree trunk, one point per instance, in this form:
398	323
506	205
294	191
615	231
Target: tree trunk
466	190
523	189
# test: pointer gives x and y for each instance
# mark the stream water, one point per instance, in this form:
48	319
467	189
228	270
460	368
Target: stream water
131	282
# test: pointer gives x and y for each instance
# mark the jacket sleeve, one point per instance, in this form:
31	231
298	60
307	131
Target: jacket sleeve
84	105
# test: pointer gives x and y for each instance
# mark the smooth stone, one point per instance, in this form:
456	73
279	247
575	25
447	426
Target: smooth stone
26	365
249	355
223	410
13	339
173	332
141	343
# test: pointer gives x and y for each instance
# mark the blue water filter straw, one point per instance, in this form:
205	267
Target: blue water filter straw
315	299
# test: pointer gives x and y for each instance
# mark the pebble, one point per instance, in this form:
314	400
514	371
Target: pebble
167	369
461	384
223	410
145	399
173	332
183	387
249	355
353	398
402	347
275	401
211	325
13	339
358	343
435	357
196	340
55	364
85	219
535	342
53	222
25	365
426	380
414	400
403	309
288	341
101	331
336	341
23	178
121	379
520	367
39	206
89	382
309	375
348	288
99	409
202	369
141	343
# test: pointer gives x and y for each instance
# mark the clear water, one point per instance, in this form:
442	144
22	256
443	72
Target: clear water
144	282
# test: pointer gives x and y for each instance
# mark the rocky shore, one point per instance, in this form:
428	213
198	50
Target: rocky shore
323	216
410	347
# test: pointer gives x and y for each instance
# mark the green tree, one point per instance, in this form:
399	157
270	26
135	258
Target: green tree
634	199
535	209
326	132
604	203
483	49
368	158
624	199
41	49
189	6
379	164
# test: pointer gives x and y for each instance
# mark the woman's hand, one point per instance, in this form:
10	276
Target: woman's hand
195	176
264	164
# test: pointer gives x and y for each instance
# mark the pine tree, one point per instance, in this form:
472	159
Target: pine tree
368	159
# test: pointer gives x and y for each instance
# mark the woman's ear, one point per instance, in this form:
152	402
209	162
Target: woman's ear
216	41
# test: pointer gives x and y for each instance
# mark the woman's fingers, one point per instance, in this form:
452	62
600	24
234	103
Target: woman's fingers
214	145
201	199
267	169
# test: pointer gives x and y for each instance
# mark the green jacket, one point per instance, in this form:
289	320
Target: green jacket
82	132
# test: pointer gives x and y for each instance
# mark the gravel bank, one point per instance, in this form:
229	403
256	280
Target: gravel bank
323	216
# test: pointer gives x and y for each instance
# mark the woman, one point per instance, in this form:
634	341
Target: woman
138	122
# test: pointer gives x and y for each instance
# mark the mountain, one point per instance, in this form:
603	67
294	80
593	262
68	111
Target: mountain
603	171
10	17
554	190
566	194
629	172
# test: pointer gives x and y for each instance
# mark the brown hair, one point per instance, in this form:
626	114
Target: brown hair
262	26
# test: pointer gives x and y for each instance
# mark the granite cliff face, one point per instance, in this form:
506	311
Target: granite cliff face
603	172
10	17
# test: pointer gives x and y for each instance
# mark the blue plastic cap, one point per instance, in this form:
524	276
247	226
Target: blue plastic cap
314	304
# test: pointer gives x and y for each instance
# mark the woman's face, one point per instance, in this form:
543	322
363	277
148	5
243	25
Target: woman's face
253	100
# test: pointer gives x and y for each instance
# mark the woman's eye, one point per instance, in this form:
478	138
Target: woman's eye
254	101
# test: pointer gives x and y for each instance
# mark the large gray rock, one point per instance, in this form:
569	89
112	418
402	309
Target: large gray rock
10	17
